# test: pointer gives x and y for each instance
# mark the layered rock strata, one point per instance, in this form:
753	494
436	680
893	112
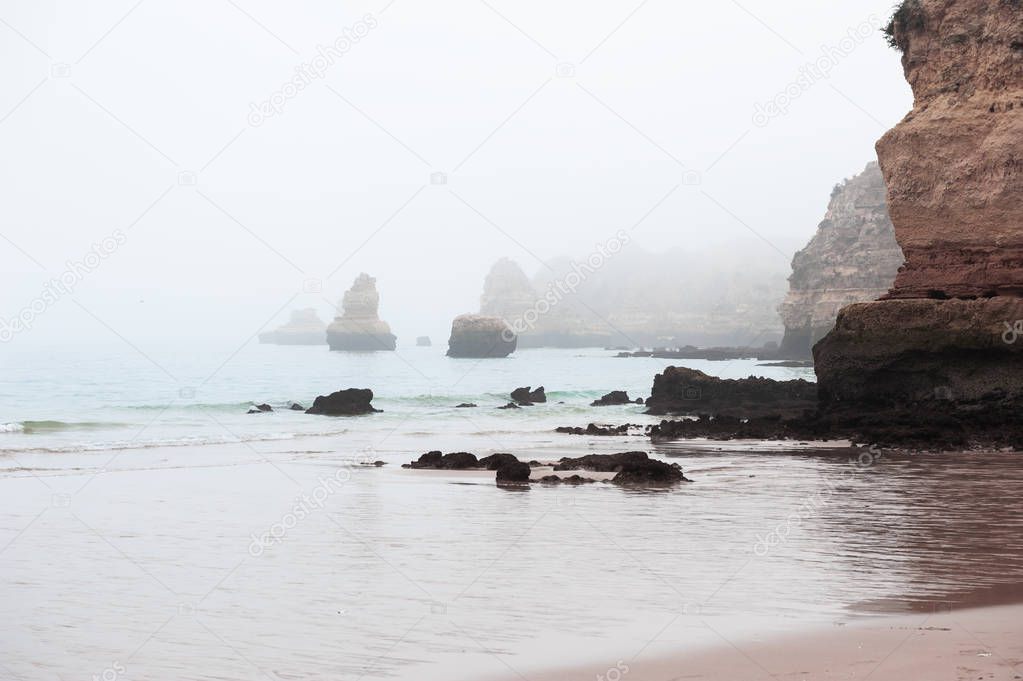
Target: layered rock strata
852	258
359	328
950	333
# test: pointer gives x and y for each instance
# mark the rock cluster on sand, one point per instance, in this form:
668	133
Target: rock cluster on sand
350	402
480	337
629	467
304	327
680	390
359	328
852	258
950	333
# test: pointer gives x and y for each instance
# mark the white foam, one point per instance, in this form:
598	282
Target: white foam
11	428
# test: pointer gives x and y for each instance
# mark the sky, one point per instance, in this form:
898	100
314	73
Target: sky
225	161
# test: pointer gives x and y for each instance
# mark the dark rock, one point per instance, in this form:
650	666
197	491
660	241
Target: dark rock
466	405
570	480
510	405
513	472
350	402
649	472
264	407
601	463
295	406
481	337
526	396
535	464
615	397
496	461
594	429
456	461
680	390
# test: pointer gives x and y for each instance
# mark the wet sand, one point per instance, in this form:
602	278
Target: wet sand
979	643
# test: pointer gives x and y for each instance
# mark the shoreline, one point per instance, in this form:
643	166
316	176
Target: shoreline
971	643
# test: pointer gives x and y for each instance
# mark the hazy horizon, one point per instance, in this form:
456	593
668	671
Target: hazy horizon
553	127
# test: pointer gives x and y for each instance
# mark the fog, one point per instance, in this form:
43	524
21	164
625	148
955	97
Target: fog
433	139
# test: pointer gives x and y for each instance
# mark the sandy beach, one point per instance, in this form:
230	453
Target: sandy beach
977	643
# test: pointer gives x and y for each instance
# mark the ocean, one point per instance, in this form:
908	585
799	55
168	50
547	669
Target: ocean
152	529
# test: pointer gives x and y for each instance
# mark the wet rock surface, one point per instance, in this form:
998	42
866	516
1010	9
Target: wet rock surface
679	390
526	396
613	398
595	430
349	402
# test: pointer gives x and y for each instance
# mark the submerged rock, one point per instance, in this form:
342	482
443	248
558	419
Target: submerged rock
475	336
570	480
629	467
303	328
594	429
466	405
359	328
510	405
350	402
680	390
527	396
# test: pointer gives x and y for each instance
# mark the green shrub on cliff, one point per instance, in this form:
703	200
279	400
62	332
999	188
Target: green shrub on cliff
909	17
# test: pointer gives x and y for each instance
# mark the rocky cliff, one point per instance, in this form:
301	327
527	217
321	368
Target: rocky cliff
954	165
303	328
950	329
358	327
636	298
853	258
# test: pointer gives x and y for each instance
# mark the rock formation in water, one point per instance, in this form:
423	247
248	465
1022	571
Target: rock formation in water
630	299
480	337
359	327
507	292
423	342
947	334
853	258
349	402
684	391
303	328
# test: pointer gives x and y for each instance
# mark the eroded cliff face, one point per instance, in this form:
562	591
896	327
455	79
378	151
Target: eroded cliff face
951	330
358	327
853	258
954	165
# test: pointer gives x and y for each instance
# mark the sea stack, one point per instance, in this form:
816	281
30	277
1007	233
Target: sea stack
853	258
359	327
480	337
951	329
303	328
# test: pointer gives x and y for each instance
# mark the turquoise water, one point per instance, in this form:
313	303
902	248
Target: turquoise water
122	398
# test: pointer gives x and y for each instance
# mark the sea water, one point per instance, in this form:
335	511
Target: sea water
151	529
